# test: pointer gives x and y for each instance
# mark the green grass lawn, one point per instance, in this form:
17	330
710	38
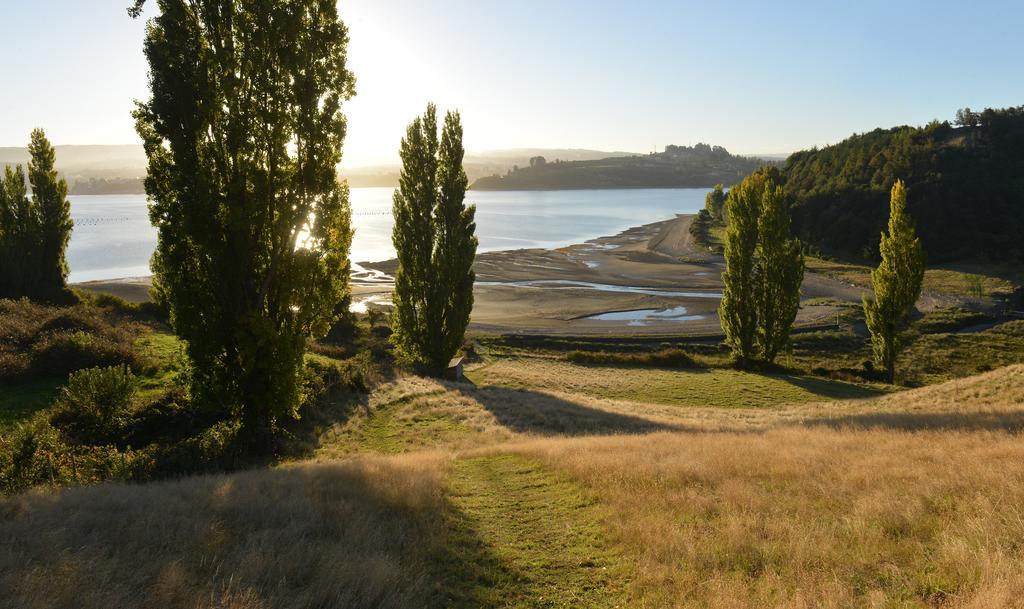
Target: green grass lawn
522	535
404	426
167	354
19	402
720	388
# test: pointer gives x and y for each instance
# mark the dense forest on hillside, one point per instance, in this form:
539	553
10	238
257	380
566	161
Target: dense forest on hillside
965	181
677	167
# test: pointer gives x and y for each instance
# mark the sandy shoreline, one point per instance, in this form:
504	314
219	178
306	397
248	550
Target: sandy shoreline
648	280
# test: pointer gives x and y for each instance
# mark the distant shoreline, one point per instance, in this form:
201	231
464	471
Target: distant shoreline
582	188
648	280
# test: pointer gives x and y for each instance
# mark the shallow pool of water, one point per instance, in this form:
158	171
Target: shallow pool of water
642	317
360	304
567	284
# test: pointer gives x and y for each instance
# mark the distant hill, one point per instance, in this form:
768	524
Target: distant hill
966	188
120	169
108	186
477	164
91	159
93	169
700	166
522	156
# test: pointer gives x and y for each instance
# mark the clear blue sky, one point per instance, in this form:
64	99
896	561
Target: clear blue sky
755	77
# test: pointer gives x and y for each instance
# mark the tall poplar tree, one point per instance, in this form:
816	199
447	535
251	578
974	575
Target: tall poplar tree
435	239
779	270
738	309
763	269
18	234
897	282
244	132
50	199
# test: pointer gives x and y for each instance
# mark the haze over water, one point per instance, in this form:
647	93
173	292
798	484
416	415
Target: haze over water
113	237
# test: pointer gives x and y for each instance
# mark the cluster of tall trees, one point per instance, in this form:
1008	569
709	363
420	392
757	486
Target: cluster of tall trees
243	134
764	270
765	267
700	227
714	204
34	229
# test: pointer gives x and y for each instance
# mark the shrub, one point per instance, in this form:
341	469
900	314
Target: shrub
169	418
94	406
331	350
35	453
376	317
64	352
216	448
38	341
322	376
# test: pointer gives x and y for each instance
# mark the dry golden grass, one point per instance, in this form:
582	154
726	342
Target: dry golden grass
357	534
415	413
803	517
990	401
913	499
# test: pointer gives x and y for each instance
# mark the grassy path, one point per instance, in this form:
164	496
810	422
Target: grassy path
524	536
713	387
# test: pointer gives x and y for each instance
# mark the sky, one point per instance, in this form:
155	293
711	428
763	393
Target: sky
755	77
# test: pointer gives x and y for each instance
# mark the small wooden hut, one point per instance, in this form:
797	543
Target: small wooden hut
454	371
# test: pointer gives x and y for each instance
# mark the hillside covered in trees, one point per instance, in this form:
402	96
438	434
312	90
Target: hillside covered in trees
698	166
965	187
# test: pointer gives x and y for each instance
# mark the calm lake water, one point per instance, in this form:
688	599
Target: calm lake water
113	237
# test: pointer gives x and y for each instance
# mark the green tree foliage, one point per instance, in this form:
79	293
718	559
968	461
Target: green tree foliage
243	132
34	231
19	226
50	198
434	236
738	309
764	268
700	227
96	402
896	282
677	167
965	187
714	203
779	269
966	118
